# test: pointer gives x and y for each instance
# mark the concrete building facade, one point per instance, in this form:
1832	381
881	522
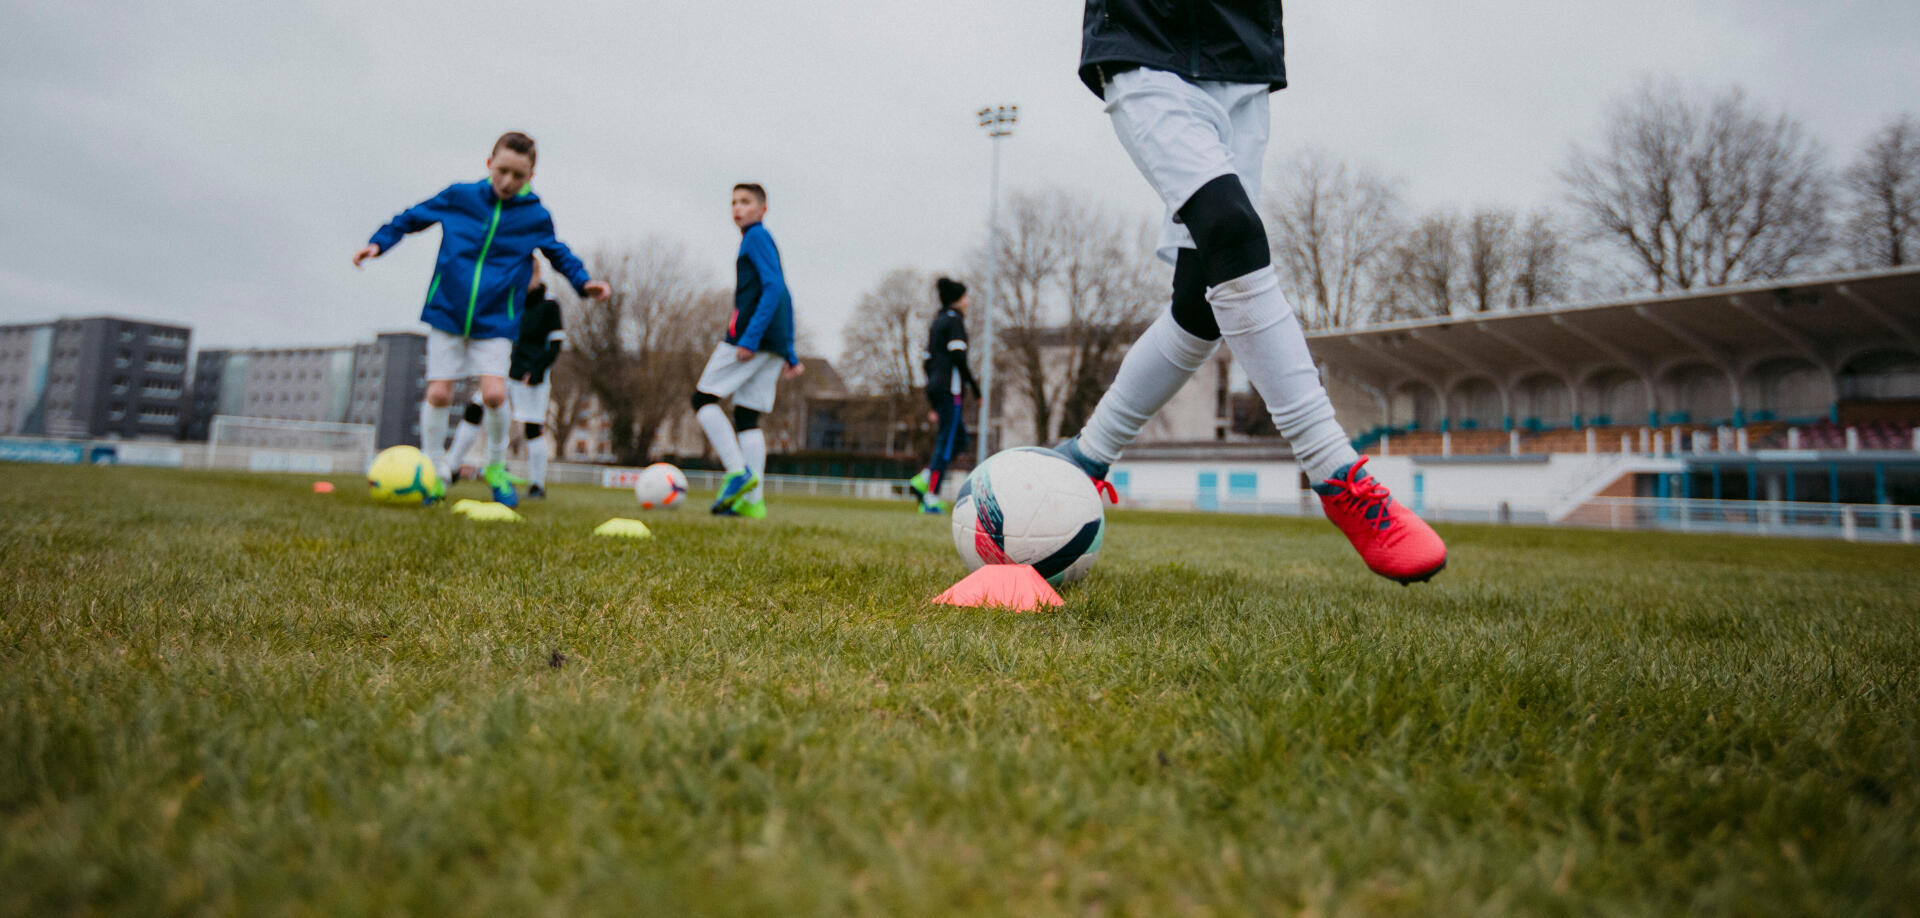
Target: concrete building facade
99	376
380	382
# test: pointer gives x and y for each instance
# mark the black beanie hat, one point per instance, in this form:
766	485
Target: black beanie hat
950	291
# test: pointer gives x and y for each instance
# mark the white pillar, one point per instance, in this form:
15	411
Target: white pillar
1676	441
1853	439
1659	444
1593	442
1906	526
1646	439
1793	438
1446	443
1848	530
1513	443
1740	439
1626	444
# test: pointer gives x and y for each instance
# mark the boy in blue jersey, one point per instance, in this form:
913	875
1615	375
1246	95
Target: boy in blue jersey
489	231
747	366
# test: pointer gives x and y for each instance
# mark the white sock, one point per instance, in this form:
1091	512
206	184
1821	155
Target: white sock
537	460
496	424
1162	361
719	432
753	448
433	437
1265	336
463	436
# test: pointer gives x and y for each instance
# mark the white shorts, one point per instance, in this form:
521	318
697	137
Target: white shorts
451	356
529	403
750	383
1183	135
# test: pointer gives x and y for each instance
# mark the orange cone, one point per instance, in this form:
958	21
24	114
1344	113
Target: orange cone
1011	586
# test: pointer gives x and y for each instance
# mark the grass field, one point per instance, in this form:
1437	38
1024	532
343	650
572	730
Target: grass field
224	693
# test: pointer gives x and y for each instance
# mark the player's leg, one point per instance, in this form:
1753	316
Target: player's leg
951	436
492	356
465	434
751	400
446	361
529	409
1193	144
538	451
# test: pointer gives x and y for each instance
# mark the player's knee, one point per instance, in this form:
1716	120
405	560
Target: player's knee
1227	229
702	400
493	399
1191	311
474	413
439	398
745	418
533	431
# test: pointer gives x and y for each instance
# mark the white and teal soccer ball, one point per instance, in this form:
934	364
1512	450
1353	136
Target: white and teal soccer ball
400	475
1029	505
661	484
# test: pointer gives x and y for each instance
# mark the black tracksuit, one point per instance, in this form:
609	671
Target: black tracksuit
947	381
538	344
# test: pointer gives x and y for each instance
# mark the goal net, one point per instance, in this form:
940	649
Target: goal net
269	445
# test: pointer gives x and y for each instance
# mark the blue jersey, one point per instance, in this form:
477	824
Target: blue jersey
479	284
762	308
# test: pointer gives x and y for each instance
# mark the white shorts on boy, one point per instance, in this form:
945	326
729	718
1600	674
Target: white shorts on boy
451	356
749	383
1183	135
529	403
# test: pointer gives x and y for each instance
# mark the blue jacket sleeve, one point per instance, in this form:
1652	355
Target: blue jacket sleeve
773	288
412	220
563	260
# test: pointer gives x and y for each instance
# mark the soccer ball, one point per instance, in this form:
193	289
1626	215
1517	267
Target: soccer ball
660	485
1029	505
400	475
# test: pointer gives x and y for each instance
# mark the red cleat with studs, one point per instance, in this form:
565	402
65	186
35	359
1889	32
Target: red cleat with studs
1393	541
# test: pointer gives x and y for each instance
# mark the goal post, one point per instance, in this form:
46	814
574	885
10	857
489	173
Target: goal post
273	445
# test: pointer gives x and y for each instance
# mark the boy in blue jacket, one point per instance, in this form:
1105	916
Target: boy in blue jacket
755	353
489	231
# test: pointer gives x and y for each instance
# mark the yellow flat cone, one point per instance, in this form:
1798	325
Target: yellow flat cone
619	527
465	504
1008	586
490	512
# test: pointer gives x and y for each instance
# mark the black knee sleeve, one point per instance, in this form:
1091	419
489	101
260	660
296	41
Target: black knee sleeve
702	400
745	418
1232	241
475	413
533	431
1190	308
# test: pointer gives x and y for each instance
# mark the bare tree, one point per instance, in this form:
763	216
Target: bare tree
1882	197
570	398
1423	272
1543	270
1696	192
885	345
641	350
1490	241
1073	284
1333	227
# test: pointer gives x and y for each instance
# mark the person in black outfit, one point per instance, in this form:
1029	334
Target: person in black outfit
948	381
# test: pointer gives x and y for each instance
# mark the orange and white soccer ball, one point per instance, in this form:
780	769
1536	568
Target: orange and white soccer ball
661	484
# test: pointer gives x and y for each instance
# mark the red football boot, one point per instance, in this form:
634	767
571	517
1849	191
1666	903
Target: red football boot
1395	543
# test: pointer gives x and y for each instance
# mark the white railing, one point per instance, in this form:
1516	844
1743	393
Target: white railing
1852	522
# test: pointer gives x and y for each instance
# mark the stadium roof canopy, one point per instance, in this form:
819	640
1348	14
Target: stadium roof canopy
1823	321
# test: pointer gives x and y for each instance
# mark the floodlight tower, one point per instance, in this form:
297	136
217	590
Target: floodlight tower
998	121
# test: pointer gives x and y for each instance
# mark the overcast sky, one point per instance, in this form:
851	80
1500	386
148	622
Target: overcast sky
217	164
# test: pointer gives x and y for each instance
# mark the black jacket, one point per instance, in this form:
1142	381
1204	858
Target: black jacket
1230	41
538	345
945	361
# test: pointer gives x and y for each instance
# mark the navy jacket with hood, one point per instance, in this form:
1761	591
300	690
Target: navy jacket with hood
1229	41
479	284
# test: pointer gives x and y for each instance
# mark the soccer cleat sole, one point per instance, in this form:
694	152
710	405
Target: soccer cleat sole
1419	578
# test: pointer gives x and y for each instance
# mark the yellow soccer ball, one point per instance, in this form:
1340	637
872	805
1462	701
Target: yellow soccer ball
400	475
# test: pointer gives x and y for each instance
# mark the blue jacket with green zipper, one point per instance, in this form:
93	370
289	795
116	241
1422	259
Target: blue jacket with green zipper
479	285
